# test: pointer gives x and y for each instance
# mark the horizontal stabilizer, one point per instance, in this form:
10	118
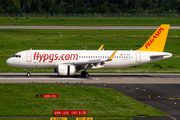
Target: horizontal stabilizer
164	55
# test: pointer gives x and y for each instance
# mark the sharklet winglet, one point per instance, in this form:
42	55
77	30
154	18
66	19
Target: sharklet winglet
112	56
101	47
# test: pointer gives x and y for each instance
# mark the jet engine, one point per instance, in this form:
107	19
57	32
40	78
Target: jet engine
65	70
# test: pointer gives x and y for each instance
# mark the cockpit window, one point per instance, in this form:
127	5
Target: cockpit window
17	56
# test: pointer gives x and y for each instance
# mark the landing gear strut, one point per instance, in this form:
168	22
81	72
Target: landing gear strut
84	74
29	72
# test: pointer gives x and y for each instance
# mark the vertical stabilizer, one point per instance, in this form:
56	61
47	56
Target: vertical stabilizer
157	41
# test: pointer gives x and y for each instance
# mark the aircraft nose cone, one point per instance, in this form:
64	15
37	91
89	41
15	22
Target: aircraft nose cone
9	61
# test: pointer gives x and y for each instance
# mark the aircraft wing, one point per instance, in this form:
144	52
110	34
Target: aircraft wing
98	63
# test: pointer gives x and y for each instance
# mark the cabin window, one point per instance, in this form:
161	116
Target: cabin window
17	56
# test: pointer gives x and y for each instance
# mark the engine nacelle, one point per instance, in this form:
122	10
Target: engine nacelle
66	70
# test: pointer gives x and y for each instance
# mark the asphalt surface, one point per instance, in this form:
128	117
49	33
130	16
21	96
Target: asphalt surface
85	27
163	89
111	78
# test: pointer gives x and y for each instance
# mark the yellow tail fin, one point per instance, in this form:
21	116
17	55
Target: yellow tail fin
157	41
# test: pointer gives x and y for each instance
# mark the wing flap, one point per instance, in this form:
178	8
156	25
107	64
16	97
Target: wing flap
87	62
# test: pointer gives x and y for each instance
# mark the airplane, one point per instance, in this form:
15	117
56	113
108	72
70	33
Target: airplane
69	62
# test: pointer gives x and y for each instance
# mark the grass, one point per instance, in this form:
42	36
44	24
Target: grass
15	40
80	21
20	100
99	32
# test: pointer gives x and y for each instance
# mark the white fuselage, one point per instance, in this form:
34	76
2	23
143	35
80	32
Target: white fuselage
52	58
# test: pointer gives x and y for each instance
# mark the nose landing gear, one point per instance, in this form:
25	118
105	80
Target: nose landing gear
29	72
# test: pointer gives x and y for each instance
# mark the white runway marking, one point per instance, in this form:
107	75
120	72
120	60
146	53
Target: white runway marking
73	79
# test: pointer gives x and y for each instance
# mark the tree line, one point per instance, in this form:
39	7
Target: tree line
89	6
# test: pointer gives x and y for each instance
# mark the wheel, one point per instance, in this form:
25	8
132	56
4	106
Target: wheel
86	75
83	73
28	74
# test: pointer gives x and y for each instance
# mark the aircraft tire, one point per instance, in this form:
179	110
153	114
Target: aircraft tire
28	74
86	75
83	73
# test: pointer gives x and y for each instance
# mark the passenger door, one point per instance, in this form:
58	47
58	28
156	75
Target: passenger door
29	57
138	57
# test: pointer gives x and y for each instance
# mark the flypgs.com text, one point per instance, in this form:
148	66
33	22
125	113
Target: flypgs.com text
51	57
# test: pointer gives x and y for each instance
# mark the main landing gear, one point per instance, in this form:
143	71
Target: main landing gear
29	72
84	74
